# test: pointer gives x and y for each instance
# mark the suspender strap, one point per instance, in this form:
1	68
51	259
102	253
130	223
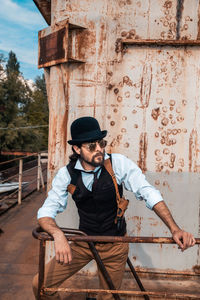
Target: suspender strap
74	177
108	166
122	203
71	188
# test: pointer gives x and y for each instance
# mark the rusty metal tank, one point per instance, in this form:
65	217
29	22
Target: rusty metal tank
135	66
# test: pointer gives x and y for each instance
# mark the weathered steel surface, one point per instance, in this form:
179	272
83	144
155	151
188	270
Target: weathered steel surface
53	48
56	44
44	7
173	43
165	295
147	99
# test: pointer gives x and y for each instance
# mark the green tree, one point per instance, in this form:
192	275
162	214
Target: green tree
12	66
37	112
15	94
24	112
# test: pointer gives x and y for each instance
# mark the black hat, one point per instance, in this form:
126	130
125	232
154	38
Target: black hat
86	129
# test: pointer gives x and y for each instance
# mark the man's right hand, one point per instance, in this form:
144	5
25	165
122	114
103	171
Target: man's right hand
62	248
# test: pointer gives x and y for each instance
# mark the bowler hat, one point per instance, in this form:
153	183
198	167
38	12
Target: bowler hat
86	129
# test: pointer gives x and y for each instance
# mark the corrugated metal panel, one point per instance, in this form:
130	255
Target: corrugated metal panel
147	99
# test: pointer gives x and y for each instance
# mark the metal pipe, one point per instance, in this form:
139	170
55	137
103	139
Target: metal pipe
166	295
20	181
146	297
43	236
38	173
103	269
172	43
14	159
41	269
38	233
97	258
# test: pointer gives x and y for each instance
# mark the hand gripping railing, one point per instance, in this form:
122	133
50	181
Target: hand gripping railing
77	235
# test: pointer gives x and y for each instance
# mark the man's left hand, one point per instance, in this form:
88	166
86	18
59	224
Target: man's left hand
183	239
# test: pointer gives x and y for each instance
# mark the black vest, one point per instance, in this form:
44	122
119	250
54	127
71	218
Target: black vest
97	209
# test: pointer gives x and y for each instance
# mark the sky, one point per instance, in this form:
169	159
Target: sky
20	21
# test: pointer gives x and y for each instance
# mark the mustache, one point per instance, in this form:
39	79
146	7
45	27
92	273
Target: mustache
98	154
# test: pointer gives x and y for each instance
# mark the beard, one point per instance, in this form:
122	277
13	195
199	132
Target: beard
96	161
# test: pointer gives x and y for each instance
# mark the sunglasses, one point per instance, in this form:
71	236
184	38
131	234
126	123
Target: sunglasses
92	146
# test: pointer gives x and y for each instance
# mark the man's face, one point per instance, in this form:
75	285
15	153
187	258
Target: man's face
92	159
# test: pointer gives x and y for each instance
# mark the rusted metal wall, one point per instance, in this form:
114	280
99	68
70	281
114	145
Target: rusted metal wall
147	97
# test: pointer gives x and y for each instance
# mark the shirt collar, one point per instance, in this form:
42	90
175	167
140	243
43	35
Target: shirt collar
79	166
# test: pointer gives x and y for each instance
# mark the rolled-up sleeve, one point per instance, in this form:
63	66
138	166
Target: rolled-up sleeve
134	180
56	202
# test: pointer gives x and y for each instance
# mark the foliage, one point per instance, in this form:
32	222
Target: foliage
21	109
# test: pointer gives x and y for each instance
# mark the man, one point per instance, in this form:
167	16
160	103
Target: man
95	198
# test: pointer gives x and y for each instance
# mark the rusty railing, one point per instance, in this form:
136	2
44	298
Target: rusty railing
76	235
18	176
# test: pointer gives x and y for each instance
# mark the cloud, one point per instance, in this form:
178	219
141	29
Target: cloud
19	14
20	21
22	42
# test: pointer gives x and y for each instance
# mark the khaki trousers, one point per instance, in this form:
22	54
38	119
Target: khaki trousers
113	255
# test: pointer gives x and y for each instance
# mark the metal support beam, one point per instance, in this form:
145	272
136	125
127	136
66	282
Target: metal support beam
41	268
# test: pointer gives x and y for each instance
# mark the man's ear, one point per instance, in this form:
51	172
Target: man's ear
77	149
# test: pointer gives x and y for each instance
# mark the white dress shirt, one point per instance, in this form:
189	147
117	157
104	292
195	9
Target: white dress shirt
126	172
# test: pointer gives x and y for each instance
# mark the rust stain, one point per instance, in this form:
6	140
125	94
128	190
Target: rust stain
155	113
110	86
168	4
127	81
87	39
118	45
196	269
165	183
159	167
198	34
102	39
193	150
164	121
143	151
112	123
134	258
65	82
116	90
116	141
119	99
131	34
138	223
146	81
168	22
52	47
179	10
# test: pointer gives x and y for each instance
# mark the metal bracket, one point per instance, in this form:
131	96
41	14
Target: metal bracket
59	43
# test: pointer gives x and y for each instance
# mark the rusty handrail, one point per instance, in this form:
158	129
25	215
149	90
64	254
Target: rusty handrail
165	295
77	235
39	234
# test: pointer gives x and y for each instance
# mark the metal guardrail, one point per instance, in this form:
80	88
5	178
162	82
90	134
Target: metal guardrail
76	235
41	157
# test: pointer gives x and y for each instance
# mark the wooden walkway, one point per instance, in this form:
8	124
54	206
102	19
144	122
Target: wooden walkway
19	250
